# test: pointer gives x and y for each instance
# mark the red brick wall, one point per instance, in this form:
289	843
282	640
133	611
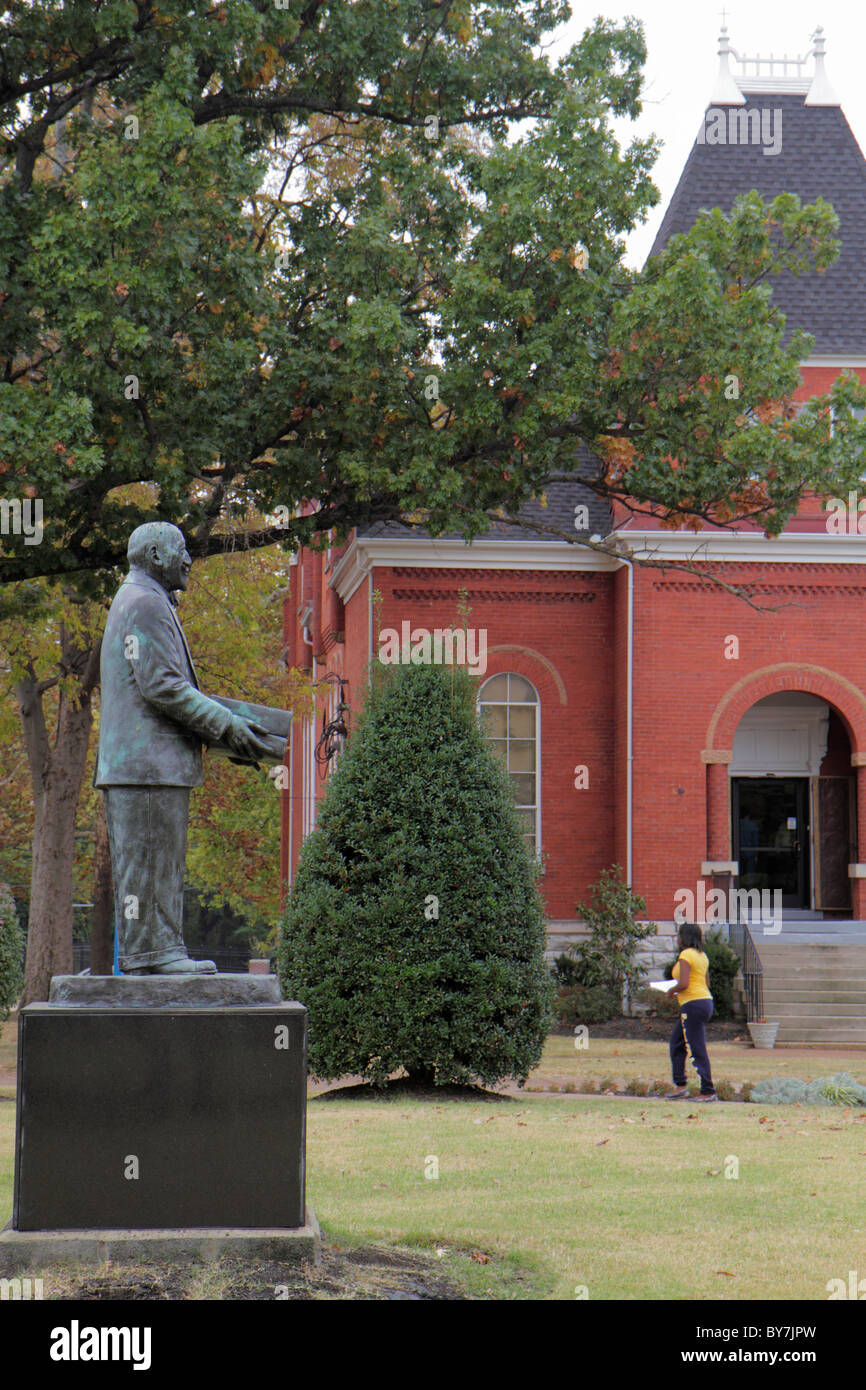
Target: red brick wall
556	629
689	697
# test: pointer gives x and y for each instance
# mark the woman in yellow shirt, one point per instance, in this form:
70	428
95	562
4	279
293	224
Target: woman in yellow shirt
688	1038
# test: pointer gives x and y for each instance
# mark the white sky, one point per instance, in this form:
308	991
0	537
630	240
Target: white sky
682	63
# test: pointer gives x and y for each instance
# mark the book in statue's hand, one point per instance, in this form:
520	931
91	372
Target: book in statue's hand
277	722
664	986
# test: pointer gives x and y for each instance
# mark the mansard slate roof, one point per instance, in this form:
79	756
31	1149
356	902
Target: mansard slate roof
562	499
819	155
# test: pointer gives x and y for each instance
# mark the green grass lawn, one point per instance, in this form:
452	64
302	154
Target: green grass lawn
625	1198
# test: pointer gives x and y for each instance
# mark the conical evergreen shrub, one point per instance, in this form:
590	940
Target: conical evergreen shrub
415	932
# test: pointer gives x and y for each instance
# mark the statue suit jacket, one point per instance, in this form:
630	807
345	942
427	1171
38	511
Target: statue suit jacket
153	717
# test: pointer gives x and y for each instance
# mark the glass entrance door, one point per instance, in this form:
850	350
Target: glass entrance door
771	836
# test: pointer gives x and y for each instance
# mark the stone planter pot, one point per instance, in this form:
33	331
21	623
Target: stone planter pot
763	1034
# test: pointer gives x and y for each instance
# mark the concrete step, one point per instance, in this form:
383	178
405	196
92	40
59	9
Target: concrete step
814	1008
799	994
813	984
782	950
794	1035
815	989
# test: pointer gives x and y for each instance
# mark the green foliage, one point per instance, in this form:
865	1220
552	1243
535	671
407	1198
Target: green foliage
415	931
284	339
11	953
587	1004
724	964
607	959
838	1089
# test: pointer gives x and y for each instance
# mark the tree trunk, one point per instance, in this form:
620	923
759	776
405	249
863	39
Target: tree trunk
56	771
102	923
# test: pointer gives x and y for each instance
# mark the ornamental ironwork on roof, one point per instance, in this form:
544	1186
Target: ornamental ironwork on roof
775	125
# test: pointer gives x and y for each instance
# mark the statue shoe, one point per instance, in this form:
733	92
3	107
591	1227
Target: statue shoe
185	966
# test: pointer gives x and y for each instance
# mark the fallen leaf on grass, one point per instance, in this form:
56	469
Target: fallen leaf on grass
599	1142
479	1257
727	1273
713	1172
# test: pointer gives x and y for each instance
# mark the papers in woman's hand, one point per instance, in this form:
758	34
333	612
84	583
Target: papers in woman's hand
664	986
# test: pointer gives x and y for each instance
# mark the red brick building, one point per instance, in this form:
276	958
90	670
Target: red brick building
649	718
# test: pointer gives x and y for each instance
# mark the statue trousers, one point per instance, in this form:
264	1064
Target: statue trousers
147	831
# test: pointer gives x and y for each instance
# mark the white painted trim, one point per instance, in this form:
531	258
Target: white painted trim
792	547
829	360
423	553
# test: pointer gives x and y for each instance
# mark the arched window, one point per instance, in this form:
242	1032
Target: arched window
510	709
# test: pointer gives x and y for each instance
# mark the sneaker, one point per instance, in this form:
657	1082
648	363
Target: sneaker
711	1096
681	1093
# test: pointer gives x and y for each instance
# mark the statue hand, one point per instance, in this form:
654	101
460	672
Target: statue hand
245	738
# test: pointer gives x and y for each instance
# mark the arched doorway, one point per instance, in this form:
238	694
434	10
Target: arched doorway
793	802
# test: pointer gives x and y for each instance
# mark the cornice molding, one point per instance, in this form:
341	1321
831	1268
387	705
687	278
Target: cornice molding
792	547
364	554
716	547
840	360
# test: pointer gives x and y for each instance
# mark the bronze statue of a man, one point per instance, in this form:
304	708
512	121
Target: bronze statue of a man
153	722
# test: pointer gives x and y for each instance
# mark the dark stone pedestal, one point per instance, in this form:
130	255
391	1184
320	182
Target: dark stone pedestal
161	1107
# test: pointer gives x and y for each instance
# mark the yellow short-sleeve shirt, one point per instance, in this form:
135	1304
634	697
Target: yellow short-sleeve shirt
699	965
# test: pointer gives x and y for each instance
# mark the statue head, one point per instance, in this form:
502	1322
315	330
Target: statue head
160	549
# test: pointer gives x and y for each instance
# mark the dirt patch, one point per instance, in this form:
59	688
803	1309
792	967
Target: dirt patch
370	1273
635	1029
402	1088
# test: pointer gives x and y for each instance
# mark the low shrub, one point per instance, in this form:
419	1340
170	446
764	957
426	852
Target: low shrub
586	1004
637	1087
838	1089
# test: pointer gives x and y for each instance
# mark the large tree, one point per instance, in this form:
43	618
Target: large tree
193	296
292	266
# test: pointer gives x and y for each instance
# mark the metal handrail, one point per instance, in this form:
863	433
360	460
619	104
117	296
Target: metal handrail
743	944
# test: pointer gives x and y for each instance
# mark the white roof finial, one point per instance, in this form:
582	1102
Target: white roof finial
820	93
725	91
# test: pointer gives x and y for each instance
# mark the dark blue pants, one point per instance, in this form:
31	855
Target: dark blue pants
688	1039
